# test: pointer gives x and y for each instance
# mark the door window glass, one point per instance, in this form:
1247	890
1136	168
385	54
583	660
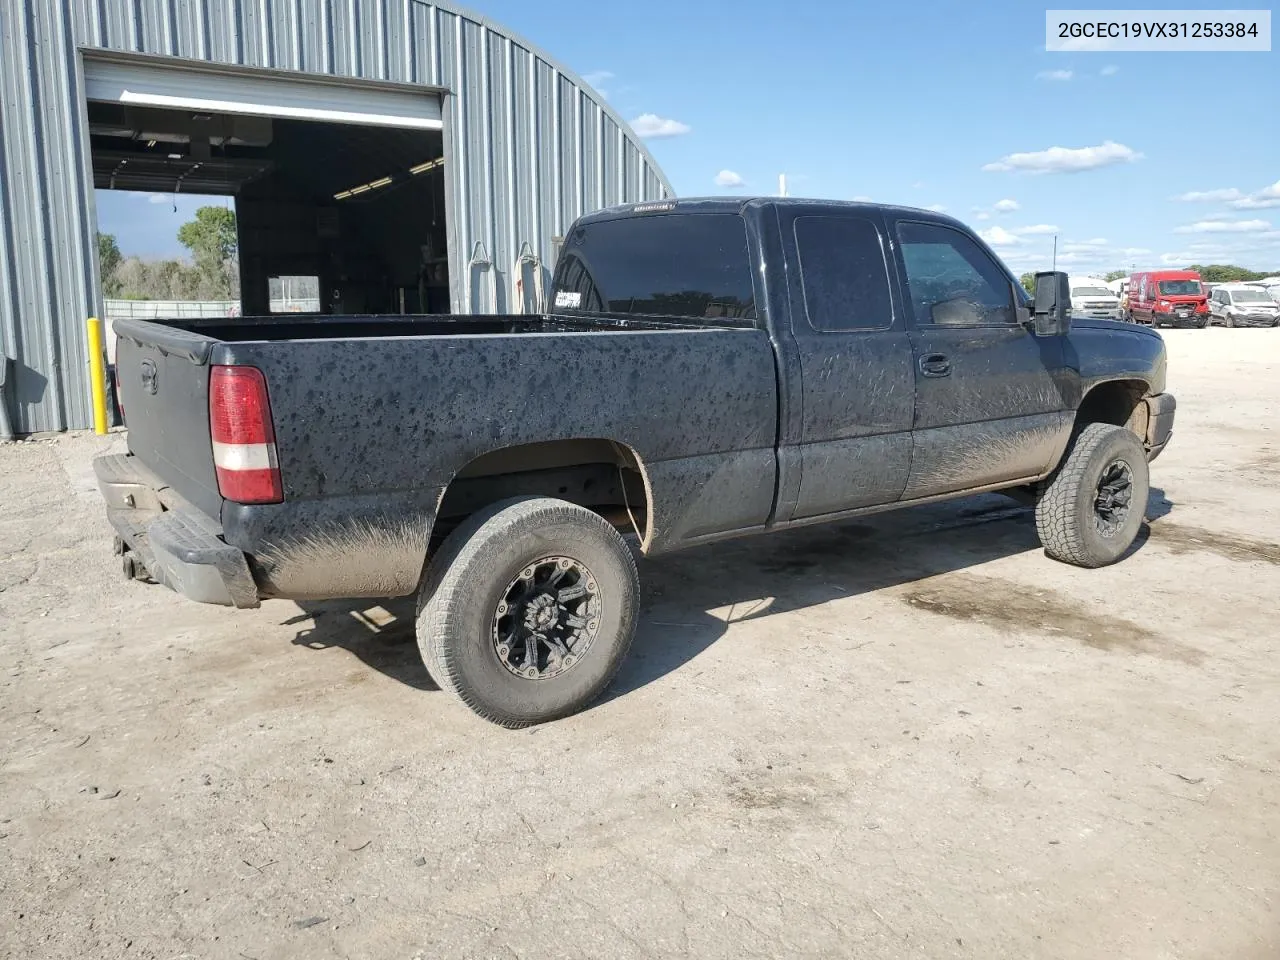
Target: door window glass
843	270
950	280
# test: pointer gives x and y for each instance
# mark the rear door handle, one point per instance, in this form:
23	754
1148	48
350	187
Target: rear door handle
935	365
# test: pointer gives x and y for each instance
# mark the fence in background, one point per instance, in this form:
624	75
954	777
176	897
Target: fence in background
174	309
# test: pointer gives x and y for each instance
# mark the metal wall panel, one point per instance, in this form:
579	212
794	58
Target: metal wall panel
531	148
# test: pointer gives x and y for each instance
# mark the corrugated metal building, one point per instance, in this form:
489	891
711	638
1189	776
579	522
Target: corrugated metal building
262	105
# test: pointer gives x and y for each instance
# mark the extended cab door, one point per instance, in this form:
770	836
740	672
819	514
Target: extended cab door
858	390
988	404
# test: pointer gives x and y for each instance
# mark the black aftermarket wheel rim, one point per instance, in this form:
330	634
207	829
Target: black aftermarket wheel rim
547	618
1114	498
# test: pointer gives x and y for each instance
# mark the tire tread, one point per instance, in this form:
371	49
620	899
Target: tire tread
1060	534
445	578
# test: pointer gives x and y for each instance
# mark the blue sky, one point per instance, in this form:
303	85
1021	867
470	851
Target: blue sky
957	106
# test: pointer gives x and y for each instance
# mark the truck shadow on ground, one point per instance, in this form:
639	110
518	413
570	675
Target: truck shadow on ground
690	599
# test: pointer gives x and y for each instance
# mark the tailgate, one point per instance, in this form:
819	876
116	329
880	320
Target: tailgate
162	374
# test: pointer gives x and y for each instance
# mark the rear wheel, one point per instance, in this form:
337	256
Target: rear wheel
1091	509
528	609
1229	321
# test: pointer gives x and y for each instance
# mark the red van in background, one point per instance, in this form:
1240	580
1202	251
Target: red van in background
1173	298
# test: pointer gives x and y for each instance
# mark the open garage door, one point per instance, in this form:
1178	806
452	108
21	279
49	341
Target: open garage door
338	183
260	93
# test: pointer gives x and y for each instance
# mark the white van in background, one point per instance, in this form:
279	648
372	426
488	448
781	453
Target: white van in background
1091	297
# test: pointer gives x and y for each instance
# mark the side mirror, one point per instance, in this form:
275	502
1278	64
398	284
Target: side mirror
1052	316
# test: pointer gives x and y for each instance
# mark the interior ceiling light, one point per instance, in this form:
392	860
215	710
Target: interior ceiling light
150	144
386	181
175	156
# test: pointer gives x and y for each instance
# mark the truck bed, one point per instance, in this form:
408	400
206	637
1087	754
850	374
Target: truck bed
375	416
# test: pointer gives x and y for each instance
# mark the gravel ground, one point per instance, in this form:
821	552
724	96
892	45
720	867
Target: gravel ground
907	736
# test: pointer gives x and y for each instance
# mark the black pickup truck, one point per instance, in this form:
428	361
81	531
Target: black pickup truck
709	368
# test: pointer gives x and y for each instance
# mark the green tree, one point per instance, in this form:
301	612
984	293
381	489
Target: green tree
1115	275
1028	281
109	258
211	238
1225	273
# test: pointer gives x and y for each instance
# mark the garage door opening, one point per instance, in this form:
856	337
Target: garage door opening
339	190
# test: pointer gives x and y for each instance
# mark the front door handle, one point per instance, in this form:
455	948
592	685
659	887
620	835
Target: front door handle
935	365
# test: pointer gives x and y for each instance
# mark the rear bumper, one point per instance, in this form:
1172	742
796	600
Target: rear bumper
179	546
1160	411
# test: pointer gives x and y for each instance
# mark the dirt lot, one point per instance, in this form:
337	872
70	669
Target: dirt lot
910	736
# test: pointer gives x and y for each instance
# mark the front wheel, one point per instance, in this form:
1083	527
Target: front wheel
1091	509
528	609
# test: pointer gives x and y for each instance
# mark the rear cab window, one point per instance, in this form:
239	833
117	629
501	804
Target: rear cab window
690	266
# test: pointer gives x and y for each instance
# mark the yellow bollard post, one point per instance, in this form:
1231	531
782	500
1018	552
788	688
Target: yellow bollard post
97	376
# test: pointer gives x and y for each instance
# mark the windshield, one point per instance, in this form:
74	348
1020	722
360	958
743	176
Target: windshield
1180	288
1251	296
1090	292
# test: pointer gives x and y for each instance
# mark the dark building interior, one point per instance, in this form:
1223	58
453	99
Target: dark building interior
359	208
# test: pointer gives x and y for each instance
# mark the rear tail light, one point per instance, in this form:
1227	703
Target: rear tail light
244	441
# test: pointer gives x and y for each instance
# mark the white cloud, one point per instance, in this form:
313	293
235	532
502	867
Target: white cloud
727	178
998	236
1224	226
1085	246
1110	70
1065	159
1263	199
1006	206
156	198
861	198
918	185
1198	196
652	126
596	79
937	208
1035	229
1055	75
1254	203
983	216
1134	251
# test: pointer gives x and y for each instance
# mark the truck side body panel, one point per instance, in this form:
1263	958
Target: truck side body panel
374	431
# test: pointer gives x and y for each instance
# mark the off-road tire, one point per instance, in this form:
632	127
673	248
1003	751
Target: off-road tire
466	579
1065	512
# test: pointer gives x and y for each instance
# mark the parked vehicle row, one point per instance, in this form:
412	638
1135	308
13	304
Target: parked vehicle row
1168	298
1090	297
1243	305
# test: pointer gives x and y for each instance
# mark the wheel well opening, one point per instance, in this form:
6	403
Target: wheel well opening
1117	402
602	475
